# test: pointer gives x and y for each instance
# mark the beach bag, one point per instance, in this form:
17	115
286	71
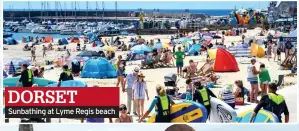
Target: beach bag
239	101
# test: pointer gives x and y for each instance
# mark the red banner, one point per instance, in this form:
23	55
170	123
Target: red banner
67	97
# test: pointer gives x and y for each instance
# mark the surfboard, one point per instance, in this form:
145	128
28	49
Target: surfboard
71	83
221	112
262	116
187	112
12	82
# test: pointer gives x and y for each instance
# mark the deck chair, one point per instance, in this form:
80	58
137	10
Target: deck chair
205	69
280	82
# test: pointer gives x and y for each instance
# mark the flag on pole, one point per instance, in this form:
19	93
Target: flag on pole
140	17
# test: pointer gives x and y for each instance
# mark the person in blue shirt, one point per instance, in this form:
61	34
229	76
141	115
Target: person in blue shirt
294	69
162	102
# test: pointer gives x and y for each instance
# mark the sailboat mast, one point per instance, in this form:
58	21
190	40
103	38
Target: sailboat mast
103	6
29	17
75	11
116	11
86	8
64	12
96	11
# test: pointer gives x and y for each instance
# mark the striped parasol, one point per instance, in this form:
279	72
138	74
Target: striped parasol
11	69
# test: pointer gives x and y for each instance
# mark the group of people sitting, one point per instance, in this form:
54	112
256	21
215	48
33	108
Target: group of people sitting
158	58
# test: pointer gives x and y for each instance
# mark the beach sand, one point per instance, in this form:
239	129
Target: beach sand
154	77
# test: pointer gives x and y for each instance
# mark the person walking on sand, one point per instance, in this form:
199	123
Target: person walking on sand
129	81
179	56
252	78
44	51
139	92
162	102
264	78
274	50
273	102
120	73
124	117
269	50
33	56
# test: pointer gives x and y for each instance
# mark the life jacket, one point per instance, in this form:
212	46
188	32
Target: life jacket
276	104
68	74
29	75
163	107
204	96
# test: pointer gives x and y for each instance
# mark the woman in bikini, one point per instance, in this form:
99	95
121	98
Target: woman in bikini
120	73
124	117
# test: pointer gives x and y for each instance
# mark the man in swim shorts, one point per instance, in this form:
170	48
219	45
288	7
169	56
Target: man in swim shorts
179	56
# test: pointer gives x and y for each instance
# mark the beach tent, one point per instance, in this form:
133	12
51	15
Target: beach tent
48	39
63	41
256	50
75	40
140	49
194	48
11	41
98	68
4	41
89	35
223	60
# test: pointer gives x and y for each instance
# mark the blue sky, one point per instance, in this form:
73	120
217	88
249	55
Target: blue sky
145	5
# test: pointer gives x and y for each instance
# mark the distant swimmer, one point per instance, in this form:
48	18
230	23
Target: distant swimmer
273	102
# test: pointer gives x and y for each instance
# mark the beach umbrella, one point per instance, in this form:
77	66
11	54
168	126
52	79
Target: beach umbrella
78	58
207	38
11	69
166	45
158	46
109	48
205	29
141	48
89	54
195	37
97	49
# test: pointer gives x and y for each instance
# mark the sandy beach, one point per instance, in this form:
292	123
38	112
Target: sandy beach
154	77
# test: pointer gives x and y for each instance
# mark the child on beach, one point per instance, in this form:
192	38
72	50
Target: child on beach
264	78
274	51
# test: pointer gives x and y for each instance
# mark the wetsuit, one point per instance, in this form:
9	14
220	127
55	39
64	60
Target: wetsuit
65	76
26	78
202	96
163	108
274	103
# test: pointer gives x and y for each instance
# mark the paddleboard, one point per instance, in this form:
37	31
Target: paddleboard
221	112
187	112
12	82
71	83
262	116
